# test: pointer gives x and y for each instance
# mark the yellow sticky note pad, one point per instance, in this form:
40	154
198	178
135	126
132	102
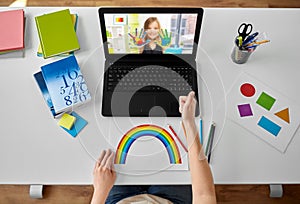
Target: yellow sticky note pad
67	121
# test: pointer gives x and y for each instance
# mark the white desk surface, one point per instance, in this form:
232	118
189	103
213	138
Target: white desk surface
34	150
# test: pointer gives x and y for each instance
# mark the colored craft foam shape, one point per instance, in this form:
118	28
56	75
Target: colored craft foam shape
266	101
245	110
247	90
147	130
284	115
269	126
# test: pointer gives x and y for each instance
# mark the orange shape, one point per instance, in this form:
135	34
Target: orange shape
284	115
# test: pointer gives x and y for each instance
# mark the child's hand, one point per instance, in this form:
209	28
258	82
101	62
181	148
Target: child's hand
165	38
138	39
104	174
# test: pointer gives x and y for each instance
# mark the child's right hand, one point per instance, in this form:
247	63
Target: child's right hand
187	107
139	39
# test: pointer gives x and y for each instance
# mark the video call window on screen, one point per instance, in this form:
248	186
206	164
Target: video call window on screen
150	33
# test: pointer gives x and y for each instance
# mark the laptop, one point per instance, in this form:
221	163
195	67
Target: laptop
149	59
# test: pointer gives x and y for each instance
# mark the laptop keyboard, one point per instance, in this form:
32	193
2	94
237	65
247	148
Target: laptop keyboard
149	78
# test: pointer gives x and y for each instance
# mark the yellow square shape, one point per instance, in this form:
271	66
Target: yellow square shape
67	121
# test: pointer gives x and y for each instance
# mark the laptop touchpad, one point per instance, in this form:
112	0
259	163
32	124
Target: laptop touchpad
141	103
158	103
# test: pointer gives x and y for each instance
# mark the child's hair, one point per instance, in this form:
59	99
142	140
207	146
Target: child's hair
149	21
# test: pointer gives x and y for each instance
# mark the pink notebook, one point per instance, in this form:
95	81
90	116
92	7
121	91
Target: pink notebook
11	30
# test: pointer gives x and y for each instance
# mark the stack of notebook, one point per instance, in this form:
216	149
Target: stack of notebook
62	85
57	33
12	27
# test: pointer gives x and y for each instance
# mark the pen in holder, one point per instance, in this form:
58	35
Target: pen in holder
239	55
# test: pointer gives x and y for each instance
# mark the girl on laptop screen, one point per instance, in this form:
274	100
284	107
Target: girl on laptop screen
152	28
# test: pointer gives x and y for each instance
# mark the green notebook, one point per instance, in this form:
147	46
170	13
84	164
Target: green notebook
56	33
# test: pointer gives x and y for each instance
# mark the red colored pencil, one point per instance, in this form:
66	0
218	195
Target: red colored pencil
170	127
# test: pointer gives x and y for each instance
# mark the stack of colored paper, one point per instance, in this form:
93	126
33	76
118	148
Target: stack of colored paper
57	34
12	27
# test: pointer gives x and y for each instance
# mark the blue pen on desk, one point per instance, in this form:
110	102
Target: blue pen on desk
201	131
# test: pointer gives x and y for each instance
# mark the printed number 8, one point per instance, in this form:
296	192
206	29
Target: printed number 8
68	101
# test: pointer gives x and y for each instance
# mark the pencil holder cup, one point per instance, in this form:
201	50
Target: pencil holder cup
240	56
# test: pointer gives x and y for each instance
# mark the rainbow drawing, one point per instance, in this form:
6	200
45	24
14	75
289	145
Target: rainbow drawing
147	130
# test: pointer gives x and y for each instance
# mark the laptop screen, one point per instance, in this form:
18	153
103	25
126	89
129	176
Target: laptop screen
165	31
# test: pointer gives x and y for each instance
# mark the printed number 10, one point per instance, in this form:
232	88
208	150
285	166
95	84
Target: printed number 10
70	76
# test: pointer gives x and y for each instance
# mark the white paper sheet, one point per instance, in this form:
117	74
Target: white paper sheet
147	153
263	121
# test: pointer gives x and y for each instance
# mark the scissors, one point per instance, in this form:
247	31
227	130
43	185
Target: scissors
244	30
